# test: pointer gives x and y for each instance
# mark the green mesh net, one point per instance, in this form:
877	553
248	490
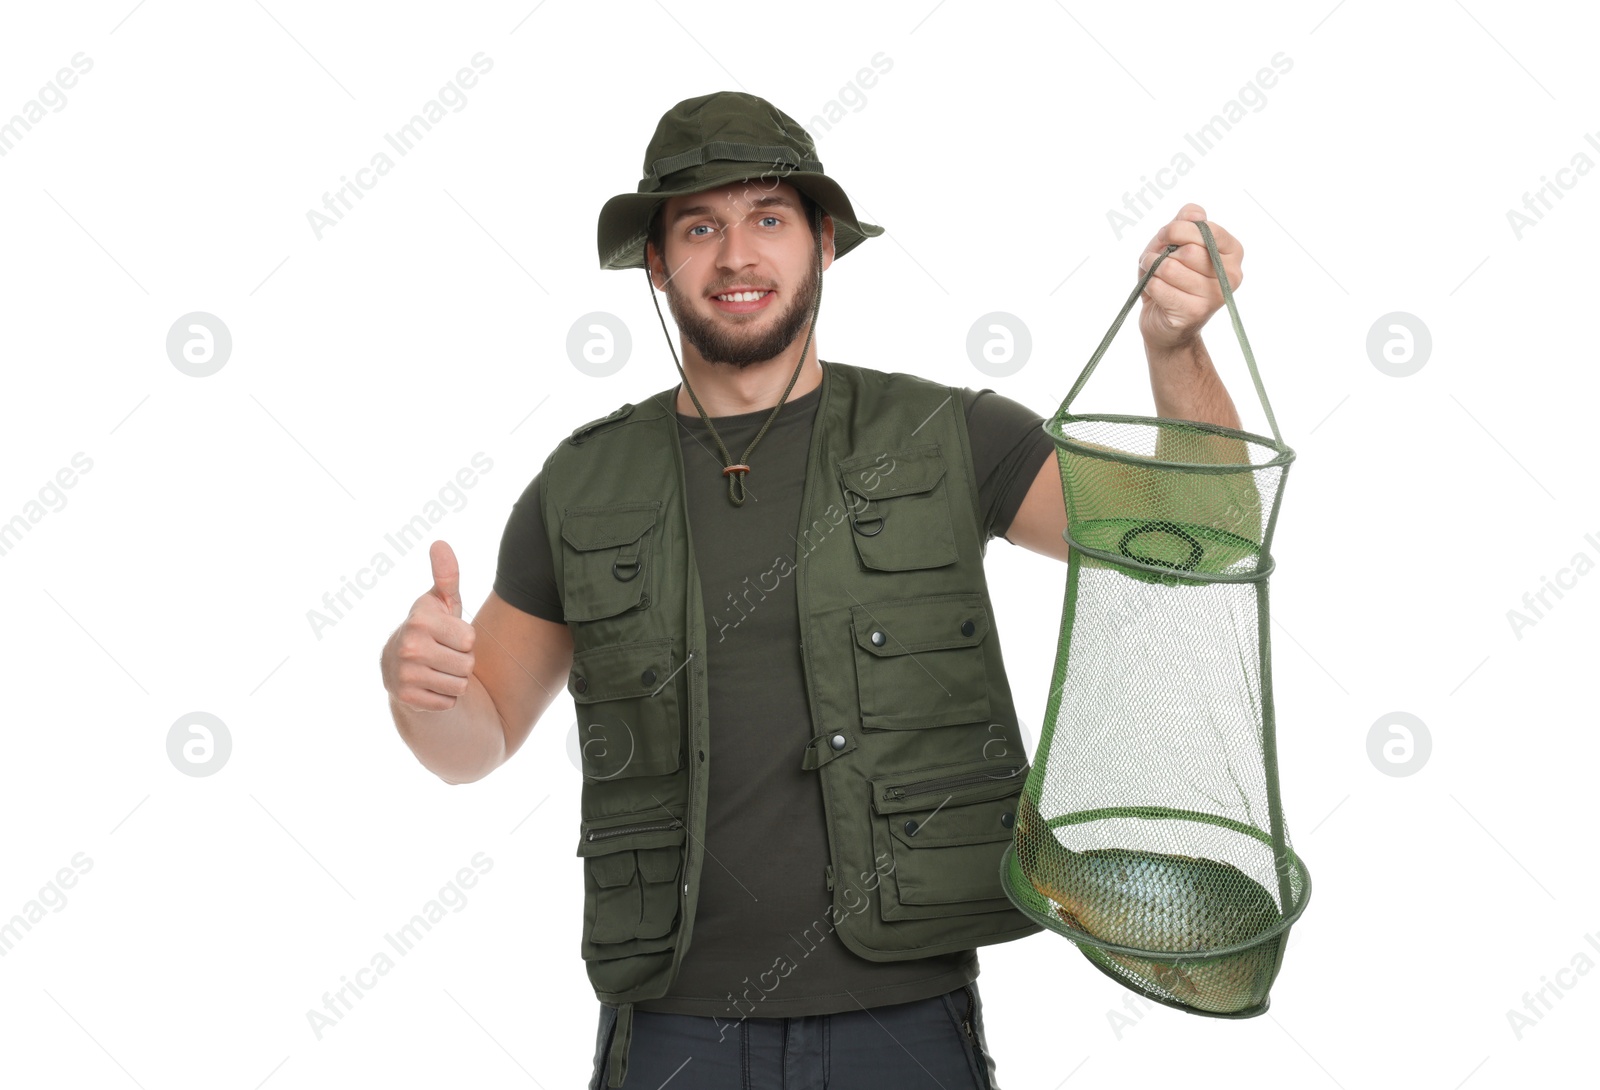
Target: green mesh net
1150	830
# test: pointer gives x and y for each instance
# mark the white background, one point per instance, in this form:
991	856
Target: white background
369	366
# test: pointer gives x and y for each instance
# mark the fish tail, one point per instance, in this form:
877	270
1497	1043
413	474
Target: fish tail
1043	860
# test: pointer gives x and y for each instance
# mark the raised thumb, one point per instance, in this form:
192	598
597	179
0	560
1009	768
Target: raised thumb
446	576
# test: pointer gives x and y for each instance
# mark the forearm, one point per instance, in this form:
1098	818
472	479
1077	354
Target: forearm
459	744
1186	386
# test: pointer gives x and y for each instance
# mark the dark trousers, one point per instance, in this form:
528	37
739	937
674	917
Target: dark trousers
921	1045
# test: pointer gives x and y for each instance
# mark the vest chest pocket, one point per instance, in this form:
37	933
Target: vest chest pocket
627	704
631	867
606	566
899	509
946	829
920	662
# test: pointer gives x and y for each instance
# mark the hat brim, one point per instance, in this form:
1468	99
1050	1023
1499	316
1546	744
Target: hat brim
625	218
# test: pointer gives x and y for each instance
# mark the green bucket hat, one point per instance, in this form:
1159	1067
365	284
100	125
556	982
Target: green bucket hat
710	141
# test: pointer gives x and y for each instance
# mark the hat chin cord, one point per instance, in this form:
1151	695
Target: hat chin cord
735	471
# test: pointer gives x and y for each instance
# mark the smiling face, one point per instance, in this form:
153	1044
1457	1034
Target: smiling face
738	266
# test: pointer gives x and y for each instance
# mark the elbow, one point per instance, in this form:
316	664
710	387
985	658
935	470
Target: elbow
456	778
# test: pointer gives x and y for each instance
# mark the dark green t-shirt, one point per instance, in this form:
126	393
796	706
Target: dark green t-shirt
763	901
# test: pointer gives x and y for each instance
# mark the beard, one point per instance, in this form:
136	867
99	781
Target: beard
733	344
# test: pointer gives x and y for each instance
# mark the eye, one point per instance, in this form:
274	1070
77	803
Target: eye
697	227
770	217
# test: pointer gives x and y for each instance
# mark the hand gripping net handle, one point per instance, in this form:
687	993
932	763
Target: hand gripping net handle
1233	312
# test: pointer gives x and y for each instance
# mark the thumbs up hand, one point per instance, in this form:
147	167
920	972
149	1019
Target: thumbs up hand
427	663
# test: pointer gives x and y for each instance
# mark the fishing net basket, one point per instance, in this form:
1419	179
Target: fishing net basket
1150	830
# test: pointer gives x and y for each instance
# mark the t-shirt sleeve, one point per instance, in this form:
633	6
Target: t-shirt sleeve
525	573
1009	444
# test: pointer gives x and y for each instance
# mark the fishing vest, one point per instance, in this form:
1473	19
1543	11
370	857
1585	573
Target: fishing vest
913	733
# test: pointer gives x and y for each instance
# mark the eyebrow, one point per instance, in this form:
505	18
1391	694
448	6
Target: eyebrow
759	202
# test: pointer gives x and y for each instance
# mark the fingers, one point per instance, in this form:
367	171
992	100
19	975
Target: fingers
446	576
442	682
445	629
432	662
1183	278
1226	243
1183	224
430	690
1167	298
1182	230
1192	254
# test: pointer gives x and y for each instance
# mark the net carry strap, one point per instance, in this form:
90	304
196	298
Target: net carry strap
1233	312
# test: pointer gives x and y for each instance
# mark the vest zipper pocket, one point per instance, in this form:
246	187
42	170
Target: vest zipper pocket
918	787
966	1021
945	828
622	830
631	907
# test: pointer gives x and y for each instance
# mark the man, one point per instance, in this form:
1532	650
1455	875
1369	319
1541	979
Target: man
806	907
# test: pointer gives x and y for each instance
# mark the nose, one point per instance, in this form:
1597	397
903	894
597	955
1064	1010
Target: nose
734	249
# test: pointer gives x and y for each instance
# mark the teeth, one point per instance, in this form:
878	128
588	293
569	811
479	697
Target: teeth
742	297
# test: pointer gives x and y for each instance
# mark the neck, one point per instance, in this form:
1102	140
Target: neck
727	391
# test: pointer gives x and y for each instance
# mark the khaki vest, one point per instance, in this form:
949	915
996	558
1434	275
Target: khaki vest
914	734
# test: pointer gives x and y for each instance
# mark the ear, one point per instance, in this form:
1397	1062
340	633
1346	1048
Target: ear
652	261
827	241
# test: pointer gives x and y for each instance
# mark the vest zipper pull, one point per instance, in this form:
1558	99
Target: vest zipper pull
828	870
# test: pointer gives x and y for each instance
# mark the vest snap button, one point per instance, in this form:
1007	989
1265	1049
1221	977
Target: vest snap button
877	639
911	828
648	677
1006	819
968	628
837	741
581	684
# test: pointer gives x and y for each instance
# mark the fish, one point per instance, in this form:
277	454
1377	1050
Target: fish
1160	902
